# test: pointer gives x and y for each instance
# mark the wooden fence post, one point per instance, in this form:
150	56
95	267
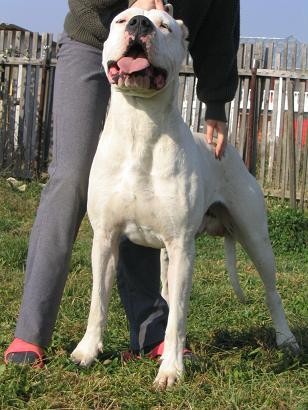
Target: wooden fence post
304	177
250	157
45	58
292	167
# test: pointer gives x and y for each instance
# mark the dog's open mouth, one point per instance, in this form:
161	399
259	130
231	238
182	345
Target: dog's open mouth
134	70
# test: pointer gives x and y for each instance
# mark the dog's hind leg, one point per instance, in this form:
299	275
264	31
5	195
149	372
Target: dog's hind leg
164	262
218	221
255	240
104	262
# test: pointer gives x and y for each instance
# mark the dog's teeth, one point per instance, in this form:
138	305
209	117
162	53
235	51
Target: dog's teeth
127	82
140	82
146	82
136	82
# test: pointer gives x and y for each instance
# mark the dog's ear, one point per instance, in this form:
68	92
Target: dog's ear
169	9
184	29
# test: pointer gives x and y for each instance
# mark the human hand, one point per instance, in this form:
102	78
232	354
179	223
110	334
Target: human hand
149	4
221	128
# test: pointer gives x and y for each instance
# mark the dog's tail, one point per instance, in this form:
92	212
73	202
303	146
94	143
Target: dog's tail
230	261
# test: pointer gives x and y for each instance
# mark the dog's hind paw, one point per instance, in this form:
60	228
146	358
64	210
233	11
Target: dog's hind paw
86	353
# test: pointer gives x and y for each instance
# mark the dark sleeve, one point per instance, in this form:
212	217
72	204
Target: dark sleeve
213	47
98	12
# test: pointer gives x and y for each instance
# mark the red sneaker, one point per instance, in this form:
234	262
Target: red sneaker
158	350
154	354
22	352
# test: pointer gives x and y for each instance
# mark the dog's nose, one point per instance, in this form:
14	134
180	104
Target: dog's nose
140	26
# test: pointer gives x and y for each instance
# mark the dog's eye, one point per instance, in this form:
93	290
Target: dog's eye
165	26
121	21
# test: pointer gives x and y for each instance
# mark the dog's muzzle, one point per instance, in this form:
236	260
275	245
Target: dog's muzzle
139	26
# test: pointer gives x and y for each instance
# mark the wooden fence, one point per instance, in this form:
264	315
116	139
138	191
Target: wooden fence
27	67
268	118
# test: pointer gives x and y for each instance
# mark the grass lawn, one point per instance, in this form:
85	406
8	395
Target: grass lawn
239	366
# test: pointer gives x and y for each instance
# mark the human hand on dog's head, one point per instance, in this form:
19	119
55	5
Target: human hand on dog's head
149	4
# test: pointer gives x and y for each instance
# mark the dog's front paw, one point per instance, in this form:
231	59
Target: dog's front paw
167	377
85	353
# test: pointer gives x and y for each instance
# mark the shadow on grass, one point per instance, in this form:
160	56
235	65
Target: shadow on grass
255	337
257	343
256	340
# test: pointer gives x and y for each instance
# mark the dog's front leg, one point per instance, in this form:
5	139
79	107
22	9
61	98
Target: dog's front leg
104	262
181	260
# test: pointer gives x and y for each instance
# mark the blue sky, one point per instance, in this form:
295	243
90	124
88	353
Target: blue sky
261	18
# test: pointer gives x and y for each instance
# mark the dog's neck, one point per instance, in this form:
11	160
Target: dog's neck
128	111
136	126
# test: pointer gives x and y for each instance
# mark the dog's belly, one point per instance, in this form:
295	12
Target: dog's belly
143	235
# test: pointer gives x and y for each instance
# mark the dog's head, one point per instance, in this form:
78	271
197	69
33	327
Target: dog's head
144	51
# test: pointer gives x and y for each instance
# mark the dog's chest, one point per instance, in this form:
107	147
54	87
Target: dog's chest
133	204
149	199
146	194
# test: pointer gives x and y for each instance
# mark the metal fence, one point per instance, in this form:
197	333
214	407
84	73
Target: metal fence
268	118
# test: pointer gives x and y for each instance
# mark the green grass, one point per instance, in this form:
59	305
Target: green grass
239	366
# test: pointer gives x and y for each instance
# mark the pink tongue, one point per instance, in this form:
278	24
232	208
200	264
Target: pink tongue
130	65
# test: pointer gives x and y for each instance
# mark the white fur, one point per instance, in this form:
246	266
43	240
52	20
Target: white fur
154	181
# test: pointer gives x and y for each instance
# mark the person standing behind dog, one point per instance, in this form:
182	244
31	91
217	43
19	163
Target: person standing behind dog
81	96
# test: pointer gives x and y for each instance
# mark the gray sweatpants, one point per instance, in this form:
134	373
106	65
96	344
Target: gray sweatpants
81	95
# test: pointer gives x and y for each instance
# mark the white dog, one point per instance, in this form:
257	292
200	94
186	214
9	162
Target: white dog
159	185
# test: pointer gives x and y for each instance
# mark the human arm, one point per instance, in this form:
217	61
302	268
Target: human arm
88	21
213	45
